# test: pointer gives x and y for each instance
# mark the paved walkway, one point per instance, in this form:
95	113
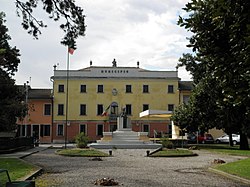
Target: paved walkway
41	147
131	167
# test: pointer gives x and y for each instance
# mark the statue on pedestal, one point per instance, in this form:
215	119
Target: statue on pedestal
124	116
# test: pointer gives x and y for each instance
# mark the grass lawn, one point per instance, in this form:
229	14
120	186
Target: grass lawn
240	168
81	153
225	149
173	153
17	168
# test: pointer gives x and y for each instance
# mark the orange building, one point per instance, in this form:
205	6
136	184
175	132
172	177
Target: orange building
38	120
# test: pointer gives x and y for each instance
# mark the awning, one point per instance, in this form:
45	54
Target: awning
156	113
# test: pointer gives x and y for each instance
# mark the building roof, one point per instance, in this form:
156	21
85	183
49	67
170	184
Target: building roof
115	72
156	114
40	94
186	85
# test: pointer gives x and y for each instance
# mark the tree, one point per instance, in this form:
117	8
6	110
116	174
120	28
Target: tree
182	118
10	97
220	63
57	9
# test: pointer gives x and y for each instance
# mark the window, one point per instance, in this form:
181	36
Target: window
47	109
145	128
145	89
23	130
170	131
114	109
128	109
60	111
82	109
60	88
44	130
100	88
170	107
99	129
99	109
170	88
28	128
83	89
186	99
145	107
60	130
128	89
83	128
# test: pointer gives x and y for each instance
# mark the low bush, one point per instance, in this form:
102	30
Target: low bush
166	143
81	140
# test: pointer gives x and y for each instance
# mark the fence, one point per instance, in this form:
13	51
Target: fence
14	143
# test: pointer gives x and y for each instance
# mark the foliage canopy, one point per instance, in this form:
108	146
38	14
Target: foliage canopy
57	9
10	96
219	64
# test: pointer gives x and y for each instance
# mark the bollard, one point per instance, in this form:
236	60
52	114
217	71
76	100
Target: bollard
147	152
110	152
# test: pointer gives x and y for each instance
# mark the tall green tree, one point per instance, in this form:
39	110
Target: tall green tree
11	98
220	63
73	27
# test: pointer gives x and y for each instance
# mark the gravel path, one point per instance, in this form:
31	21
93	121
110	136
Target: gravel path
131	168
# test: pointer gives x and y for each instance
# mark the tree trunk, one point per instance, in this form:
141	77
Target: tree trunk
243	141
230	139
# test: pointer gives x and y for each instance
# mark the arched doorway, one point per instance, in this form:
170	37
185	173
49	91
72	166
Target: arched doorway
114	108
113	116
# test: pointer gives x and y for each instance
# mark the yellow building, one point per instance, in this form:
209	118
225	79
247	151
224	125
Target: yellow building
98	95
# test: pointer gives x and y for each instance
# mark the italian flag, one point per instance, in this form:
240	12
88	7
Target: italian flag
71	50
105	112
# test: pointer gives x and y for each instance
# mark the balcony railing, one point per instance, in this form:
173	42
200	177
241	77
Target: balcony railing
113	117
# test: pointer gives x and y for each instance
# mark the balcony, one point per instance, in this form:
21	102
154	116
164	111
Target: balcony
113	117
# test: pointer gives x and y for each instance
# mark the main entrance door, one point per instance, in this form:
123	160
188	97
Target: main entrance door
35	132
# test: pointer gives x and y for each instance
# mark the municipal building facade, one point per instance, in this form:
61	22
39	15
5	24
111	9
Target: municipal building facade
93	100
90	100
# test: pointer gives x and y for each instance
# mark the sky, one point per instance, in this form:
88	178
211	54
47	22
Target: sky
125	30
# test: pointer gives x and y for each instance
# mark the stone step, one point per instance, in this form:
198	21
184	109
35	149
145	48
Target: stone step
123	130
125	146
125	133
122	141
126	141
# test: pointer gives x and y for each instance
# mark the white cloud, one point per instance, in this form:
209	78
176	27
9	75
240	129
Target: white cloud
128	30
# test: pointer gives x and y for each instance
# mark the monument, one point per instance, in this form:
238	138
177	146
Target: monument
124	137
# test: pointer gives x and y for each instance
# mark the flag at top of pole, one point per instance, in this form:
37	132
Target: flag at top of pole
71	50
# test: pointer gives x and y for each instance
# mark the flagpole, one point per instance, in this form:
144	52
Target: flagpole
67	100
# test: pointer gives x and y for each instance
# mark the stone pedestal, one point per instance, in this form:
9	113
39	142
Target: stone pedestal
123	123
143	136
107	136
125	138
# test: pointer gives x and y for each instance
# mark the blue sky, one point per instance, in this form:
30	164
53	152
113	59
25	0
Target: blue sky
127	30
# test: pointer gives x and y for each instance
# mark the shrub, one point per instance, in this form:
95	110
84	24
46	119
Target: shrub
81	140
166	143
